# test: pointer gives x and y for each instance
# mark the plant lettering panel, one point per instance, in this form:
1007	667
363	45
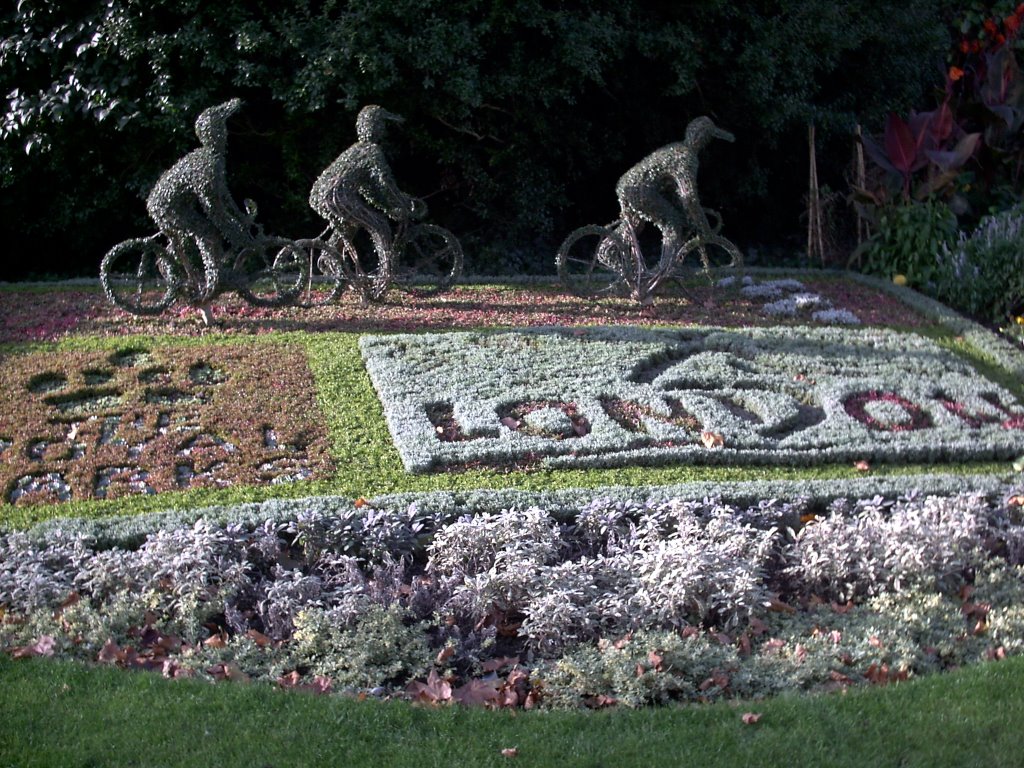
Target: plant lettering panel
101	425
615	396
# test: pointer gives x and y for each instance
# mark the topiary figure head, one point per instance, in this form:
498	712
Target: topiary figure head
211	125
702	130
370	123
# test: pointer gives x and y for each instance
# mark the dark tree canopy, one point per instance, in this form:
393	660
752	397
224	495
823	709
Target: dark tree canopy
520	113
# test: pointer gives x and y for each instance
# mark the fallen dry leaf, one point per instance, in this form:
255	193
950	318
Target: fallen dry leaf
320	684
712	439
71	599
996	654
493	665
862	466
744	645
258	637
718	679
623	641
758	627
228	671
476	693
293	681
600	702
436	690
882	675
749	718
218	640
510	752
533	698
46	645
776	605
109	653
976	610
172	671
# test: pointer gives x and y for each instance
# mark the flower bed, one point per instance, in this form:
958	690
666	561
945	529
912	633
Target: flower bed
49	314
604	396
612	601
140	420
489	595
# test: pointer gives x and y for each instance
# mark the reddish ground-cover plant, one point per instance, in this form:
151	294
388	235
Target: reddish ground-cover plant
51	315
83	425
46	315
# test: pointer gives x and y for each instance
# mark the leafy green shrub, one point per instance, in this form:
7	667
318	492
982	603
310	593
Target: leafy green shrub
982	273
908	239
381	648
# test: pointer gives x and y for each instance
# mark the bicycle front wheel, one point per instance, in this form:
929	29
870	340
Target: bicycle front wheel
324	279
714	252
140	277
271	272
432	261
592	263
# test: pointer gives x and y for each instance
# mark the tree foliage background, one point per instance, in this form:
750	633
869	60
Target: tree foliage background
521	114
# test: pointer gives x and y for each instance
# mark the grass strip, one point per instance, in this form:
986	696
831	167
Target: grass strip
69	714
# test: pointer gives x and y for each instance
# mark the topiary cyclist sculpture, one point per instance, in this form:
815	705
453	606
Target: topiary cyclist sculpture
206	244
660	190
358	195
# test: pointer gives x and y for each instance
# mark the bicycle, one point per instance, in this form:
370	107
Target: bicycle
422	259
595	261
144	276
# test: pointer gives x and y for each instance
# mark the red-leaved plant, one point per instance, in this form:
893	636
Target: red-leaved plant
930	141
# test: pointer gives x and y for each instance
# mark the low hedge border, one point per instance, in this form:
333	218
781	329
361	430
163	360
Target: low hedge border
993	346
127	529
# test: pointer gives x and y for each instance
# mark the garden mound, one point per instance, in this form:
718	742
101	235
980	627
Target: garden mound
835	505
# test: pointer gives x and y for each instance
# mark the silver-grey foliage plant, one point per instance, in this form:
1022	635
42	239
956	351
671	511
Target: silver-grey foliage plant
566	585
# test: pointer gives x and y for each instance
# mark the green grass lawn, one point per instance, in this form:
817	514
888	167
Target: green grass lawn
66	714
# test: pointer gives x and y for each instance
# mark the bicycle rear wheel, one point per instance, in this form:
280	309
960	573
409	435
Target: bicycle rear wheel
592	263
324	279
271	272
368	276
140	277
432	261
